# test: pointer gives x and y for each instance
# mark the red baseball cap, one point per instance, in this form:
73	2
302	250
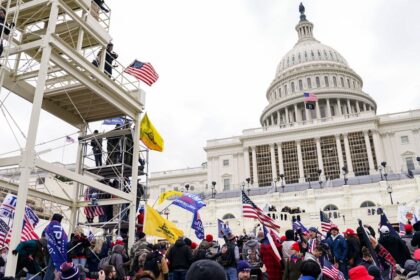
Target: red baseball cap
408	227
349	231
359	273
417	254
295	246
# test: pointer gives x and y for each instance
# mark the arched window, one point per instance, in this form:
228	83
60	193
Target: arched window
348	83
299	58
308	81
330	207
285	90
300	85
335	81
342	81
327	82
367	203
228	216
279	92
292	85
318	83
354	84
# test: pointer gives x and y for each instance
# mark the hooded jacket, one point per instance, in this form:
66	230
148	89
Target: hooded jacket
117	260
252	246
179	256
396	247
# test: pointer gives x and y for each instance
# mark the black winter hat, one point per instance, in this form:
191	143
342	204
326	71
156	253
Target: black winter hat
57	217
206	270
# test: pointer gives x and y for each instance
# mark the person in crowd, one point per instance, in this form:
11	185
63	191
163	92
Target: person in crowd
229	256
4	28
202	252
180	258
78	247
353	247
271	264
109	59
408	237
30	259
244	270
145	275
96	144
251	254
338	247
117	260
415	242
69	271
293	264
315	255
359	273
156	263
386	260
94	255
206	269
3	260
394	245
366	258
109	273
310	270
314	238
375	272
287	244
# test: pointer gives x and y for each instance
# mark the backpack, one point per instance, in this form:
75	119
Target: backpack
152	263
104	262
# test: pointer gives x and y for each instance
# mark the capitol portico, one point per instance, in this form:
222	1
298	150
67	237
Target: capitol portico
340	157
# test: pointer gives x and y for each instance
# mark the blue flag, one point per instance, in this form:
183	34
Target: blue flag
197	225
189	202
57	243
222	229
297	225
114	121
384	222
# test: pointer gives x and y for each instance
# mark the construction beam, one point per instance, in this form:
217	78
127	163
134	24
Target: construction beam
10	161
34	74
36	194
26	47
102	202
55	169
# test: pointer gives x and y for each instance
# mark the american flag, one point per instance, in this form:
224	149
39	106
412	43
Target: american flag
331	271
325	222
309	97
92	211
142	71
4	230
250	210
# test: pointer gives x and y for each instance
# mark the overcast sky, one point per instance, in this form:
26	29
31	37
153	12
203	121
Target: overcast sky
217	58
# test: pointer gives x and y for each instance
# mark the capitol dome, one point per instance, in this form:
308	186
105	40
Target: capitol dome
313	67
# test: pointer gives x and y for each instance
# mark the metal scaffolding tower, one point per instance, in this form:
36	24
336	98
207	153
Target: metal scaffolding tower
47	61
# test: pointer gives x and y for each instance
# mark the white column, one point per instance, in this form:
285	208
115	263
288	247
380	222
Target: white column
280	153
378	147
134	176
246	162
27	163
357	107
348	155
348	107
272	119
391	158
278	117
339	153
328	108
297	114
273	162
318	111
300	161
308	115
286	112
254	166
416	135
340	112
319	154
369	153
364	107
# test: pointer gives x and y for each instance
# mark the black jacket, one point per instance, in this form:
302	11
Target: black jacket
353	249
396	247
81	246
416	239
179	256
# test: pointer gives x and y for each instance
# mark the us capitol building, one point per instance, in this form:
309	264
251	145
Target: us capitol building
341	157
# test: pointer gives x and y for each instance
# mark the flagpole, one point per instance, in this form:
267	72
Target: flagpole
64	147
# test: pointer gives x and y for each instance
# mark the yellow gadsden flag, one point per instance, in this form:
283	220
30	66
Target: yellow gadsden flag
156	225
165	195
150	136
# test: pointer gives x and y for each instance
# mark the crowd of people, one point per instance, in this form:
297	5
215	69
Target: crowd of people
305	254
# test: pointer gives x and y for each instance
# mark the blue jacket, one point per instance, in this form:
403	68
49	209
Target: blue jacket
338	248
